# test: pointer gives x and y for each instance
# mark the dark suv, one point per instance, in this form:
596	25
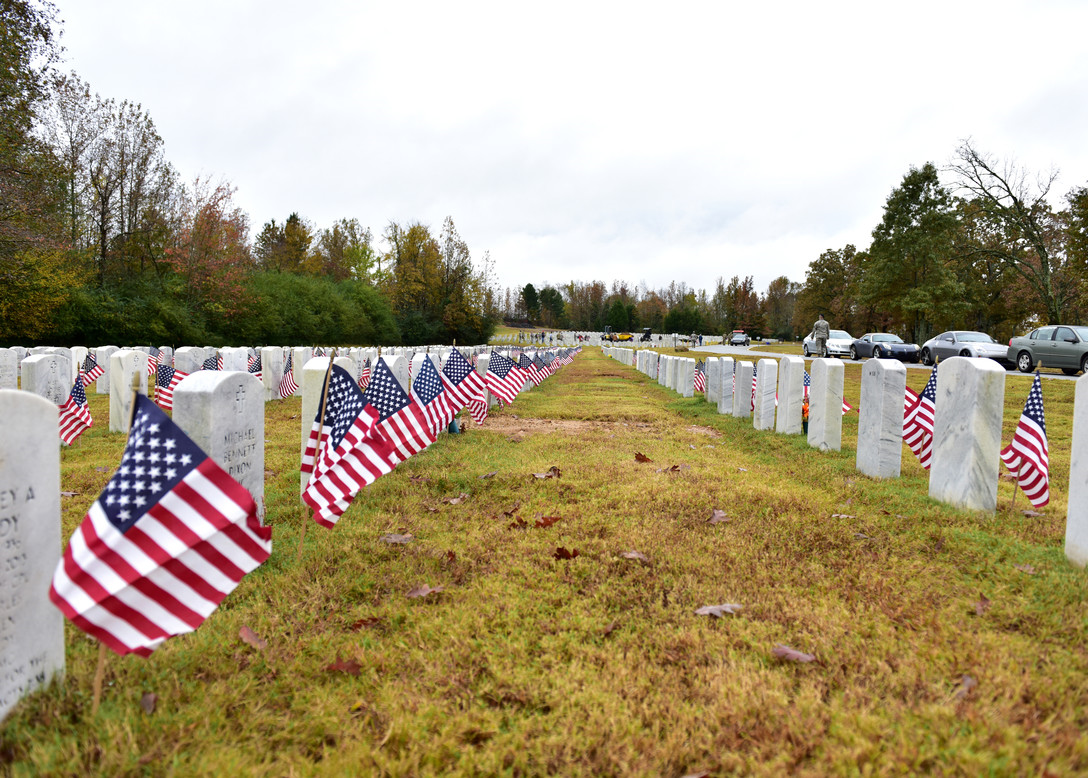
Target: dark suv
738	338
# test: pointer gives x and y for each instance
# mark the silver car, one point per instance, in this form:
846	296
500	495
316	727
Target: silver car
838	345
964	343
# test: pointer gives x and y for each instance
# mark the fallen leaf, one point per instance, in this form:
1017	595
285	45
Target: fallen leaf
1025	569
634	555
700	774
967	683
885	512
430	509
369	621
513	510
251	638
546	521
788	654
68	494
492	474
424	590
742	469
148	702
1029	513
349	666
455	500
395	538
982	605
451	557
418	479
102	469
640	457
691	447
842	516
518	523
562	553
717	611
861	536
717	517
611	628
1007	477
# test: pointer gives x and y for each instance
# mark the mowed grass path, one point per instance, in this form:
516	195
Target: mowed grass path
945	642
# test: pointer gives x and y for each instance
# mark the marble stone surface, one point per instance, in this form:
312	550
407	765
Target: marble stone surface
47	375
166	356
1076	516
102	355
967	433
31	627
9	369
825	404
712	369
350	365
72	367
235	358
313	380
742	392
223	412
189	359
726	366
766	386
79	356
272	360
791	389
124	365
880	426
652	361
300	355
685	376
398	365
663	369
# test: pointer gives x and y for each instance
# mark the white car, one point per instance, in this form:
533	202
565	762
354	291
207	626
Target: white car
838	345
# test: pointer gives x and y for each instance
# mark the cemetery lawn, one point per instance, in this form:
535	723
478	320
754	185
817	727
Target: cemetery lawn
942	641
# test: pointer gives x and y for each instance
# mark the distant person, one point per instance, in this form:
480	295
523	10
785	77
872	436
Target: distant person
821	331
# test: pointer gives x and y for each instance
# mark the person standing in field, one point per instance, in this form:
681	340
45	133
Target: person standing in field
821	330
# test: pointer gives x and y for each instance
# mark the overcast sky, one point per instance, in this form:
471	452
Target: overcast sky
645	142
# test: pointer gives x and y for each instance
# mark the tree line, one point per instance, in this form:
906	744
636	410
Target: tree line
986	251
101	240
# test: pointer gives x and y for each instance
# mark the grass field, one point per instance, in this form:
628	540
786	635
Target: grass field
942	641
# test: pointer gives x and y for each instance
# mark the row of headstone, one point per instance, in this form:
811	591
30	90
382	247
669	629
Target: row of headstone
965	464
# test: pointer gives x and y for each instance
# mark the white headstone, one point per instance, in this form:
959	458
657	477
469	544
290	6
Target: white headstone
825	405
880	423
726	366
124	364
311	386
46	375
1076	515
742	392
766	386
189	359
685	376
223	412
235	358
713	371
9	369
79	356
102	356
398	365
791	394
31	628
967	433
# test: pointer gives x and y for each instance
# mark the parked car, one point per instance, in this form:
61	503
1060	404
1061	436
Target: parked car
963	343
838	345
884	344
1057	345
739	338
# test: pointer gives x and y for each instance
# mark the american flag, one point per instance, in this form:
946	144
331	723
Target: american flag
166	380
213	363
168	539
845	405
461	381
92	371
541	368
364	373
754	370
287	384
529	369
255	366
1028	456
503	378
700	377
153	360
400	419
918	420
353	452
75	414
432	398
